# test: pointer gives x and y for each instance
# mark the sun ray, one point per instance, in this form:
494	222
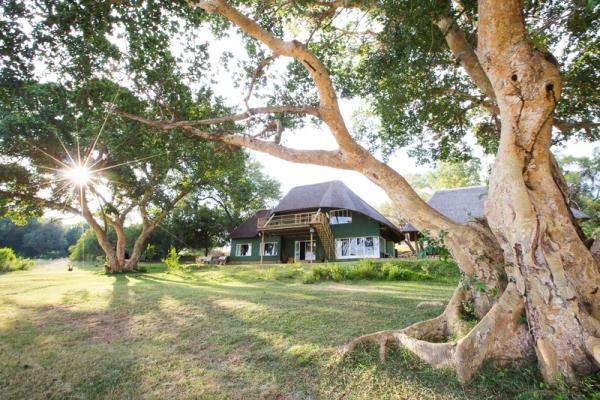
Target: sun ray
89	153
78	149
128	162
68	200
111	151
62	189
47	154
64	147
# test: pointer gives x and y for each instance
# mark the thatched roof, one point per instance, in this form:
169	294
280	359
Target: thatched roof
465	204
247	229
325	195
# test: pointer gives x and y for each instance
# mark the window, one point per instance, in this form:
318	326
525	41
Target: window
340	217
243	249
270	249
358	247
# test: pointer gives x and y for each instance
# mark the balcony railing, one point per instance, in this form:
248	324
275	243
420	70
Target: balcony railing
291	220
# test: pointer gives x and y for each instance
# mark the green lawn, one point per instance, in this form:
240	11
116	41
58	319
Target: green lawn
228	332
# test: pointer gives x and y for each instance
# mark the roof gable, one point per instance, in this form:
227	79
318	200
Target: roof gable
247	229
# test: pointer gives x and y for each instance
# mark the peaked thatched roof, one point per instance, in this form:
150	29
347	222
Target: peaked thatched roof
325	195
464	204
328	195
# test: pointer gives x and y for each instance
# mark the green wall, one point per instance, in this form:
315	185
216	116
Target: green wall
360	226
390	248
290	241
255	256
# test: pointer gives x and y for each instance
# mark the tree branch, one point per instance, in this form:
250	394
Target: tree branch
257	73
329	110
40	202
565	126
464	52
318	157
240	117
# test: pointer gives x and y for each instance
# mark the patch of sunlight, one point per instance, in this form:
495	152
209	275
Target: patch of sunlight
277	340
173	312
240	305
9	316
302	354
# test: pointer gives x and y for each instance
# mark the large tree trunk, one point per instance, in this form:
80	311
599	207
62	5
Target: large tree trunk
473	246
554	272
121	264
595	249
138	247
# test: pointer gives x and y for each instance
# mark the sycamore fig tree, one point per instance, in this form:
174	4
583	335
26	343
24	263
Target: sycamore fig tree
517	76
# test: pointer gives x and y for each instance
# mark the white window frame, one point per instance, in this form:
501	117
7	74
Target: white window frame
313	250
238	248
356	247
275	249
335	214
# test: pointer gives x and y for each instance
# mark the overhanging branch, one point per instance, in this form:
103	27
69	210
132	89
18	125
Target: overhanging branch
319	157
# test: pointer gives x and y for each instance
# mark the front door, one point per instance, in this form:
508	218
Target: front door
305	250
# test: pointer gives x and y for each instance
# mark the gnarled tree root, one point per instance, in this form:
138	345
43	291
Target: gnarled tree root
499	336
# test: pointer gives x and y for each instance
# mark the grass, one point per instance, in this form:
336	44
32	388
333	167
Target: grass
232	332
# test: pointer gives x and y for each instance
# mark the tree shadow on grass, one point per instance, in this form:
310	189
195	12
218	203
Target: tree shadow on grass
161	337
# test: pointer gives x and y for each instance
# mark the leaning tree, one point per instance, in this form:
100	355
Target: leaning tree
430	72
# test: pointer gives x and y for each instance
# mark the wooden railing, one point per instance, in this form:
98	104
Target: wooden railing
286	221
319	220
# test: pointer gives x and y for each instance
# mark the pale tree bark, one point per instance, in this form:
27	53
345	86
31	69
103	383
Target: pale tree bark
553	278
116	254
553	270
595	249
112	264
148	226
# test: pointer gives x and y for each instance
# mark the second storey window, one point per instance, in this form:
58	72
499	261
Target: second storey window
340	217
243	250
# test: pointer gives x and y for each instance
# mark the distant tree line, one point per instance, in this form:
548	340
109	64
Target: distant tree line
39	238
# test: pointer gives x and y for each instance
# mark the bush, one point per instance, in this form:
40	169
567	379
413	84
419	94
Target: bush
365	269
172	260
309	277
396	270
338	272
10	262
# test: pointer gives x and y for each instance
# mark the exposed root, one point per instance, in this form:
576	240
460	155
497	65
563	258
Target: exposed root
593	345
497	336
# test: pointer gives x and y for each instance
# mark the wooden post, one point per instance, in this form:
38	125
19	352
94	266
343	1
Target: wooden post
312	248
262	246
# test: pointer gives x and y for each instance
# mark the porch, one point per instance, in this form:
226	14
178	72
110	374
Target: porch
313	225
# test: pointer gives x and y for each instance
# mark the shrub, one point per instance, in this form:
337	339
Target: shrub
338	272
309	277
393	270
172	260
365	269
10	262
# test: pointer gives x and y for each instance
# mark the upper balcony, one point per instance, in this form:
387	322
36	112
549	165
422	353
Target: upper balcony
291	221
